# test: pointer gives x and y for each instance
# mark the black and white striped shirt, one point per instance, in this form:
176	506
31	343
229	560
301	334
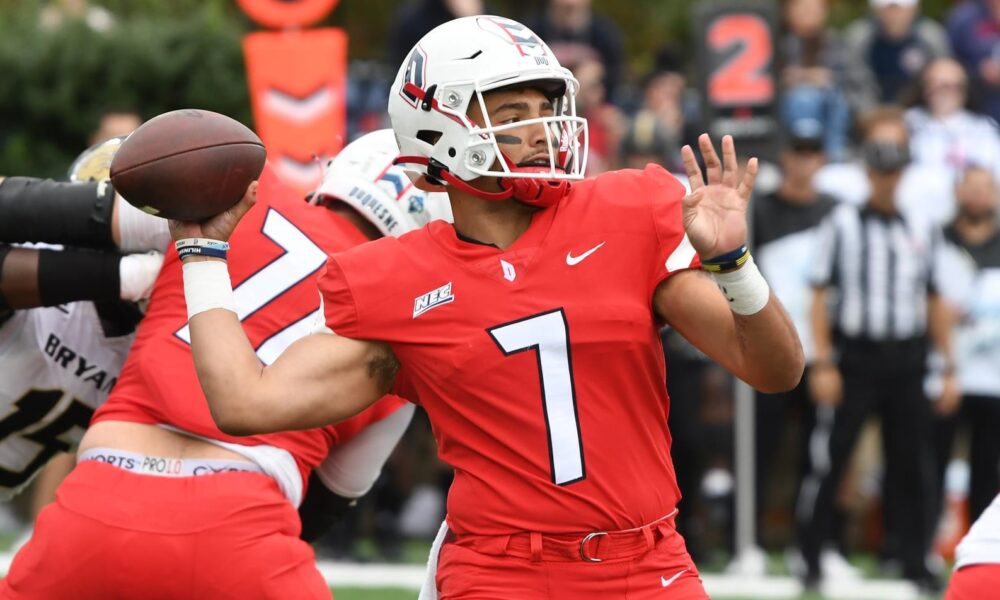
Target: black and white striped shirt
880	269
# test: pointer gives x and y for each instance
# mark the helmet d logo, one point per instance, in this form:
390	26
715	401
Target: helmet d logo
415	68
526	42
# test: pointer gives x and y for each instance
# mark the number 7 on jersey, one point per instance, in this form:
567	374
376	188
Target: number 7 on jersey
548	335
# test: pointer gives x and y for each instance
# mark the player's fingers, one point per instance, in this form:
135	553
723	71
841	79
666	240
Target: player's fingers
746	186
730	168
248	200
713	168
691	168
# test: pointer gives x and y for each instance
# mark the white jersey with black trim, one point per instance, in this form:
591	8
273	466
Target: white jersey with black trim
981	546
56	367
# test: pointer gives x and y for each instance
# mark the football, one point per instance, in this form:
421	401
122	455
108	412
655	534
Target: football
187	164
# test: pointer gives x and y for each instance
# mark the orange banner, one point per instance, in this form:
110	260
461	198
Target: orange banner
297	90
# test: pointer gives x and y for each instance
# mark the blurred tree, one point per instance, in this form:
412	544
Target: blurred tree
57	83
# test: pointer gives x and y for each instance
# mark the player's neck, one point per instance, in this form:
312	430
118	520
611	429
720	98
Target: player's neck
488	221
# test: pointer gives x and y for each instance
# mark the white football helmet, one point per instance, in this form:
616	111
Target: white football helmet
453	66
364	177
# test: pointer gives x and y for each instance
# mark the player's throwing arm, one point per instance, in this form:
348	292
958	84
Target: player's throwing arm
318	380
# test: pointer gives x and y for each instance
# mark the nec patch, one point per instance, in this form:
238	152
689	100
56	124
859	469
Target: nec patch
432	299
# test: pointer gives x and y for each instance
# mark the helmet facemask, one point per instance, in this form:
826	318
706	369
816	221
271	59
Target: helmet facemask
567	140
564	129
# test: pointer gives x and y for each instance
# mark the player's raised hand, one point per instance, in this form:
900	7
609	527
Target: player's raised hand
715	214
219	227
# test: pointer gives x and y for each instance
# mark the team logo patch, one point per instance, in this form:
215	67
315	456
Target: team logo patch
416	73
526	42
432	299
508	270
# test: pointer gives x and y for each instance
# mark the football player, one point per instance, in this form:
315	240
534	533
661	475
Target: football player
67	317
529	329
977	558
137	501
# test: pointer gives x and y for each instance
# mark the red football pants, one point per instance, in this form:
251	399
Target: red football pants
975	582
666	572
113	535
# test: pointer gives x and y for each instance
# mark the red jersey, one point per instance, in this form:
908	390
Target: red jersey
540	366
277	250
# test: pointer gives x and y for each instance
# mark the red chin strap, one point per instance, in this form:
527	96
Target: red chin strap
530	191
535	192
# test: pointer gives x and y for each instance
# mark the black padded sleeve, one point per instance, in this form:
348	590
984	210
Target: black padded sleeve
53	212
74	275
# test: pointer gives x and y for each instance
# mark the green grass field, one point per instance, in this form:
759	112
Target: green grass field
373	594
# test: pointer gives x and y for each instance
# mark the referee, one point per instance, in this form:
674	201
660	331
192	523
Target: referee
874	307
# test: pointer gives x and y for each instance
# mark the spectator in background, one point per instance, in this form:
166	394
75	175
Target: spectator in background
943	133
417	17
974	28
874	305
785	223
888	50
647	141
973	271
606	123
115	123
571	28
662	115
812	59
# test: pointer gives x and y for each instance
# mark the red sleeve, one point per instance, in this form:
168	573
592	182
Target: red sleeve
388	404
675	250
339	306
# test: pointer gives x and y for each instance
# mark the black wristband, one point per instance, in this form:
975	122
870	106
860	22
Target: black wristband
74	275
42	210
728	261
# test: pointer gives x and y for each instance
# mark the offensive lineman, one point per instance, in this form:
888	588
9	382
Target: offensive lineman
138	492
528	329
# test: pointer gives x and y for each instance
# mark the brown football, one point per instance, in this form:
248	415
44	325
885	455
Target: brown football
187	164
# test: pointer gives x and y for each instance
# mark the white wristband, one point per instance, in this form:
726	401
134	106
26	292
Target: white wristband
137	274
745	288
207	286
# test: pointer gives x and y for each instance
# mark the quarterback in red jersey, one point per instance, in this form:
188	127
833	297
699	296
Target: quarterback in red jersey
136	518
528	330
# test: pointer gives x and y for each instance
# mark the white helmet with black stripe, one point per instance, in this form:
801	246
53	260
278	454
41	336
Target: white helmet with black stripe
364	177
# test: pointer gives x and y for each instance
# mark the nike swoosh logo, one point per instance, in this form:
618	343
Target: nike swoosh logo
572	260
666	582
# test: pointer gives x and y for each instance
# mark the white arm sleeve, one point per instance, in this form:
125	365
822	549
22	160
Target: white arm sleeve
351	468
139	231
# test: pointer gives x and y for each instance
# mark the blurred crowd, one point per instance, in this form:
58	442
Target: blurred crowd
893	434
